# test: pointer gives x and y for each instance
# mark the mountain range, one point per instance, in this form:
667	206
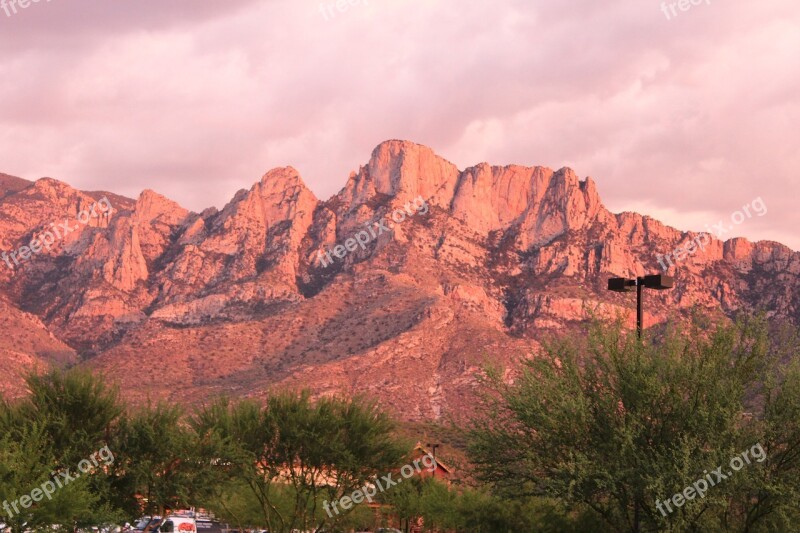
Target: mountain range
401	287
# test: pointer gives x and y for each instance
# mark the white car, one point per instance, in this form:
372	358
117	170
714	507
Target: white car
178	524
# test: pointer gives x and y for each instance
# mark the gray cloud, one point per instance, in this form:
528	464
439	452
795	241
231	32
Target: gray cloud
685	119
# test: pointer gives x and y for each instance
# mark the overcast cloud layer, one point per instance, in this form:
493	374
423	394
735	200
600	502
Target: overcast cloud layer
685	119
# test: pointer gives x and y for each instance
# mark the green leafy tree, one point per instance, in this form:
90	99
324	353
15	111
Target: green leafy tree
156	450
80	413
77	409
236	504
616	424
468	510
295	454
33	494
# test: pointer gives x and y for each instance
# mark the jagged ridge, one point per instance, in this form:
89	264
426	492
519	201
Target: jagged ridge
234	299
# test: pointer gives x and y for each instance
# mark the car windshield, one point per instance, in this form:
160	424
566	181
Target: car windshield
141	524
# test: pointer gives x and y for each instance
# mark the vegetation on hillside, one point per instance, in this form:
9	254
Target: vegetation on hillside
596	433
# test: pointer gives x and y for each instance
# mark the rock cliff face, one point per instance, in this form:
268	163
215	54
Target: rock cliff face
439	272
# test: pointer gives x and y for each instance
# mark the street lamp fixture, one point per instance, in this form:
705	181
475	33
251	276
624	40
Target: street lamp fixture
433	447
656	281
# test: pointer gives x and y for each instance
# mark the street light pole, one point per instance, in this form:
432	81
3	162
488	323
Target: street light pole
639	286
656	281
659	283
433	447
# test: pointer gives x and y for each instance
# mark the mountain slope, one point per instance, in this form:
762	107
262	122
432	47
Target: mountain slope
441	271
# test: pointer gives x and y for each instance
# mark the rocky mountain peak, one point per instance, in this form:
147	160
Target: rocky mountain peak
283	176
403	170
11	184
151	206
51	185
285	194
406	307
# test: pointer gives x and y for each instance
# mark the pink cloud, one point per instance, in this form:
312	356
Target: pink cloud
685	119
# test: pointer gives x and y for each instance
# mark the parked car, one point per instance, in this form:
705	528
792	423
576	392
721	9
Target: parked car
152	526
205	525
178	524
141	524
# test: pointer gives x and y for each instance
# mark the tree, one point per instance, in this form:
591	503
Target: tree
80	413
468	510
294	455
157	460
618	425
77	409
33	492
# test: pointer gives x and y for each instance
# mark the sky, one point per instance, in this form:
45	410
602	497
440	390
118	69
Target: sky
685	115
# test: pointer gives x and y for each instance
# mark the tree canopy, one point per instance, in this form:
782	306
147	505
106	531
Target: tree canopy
616	424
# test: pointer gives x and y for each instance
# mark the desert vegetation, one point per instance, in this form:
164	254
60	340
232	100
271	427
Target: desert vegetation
594	433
